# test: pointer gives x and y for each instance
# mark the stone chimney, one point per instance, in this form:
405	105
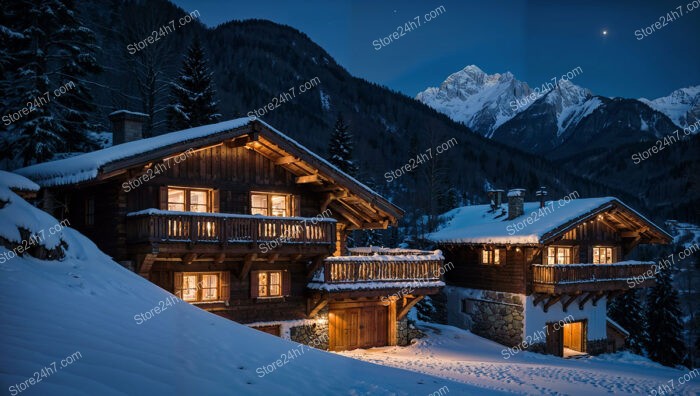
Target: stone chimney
516	202
127	126
542	195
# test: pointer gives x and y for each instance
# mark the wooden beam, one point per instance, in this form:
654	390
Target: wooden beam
565	304
351	218
316	263
144	262
247	263
597	298
239	141
377	225
189	258
313	309
582	303
538	299
273	258
315	178
552	300
287	159
220	258
407	307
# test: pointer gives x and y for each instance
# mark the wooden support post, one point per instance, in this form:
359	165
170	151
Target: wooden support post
598	296
189	258
273	258
144	262
407	307
313	308
552	300
393	336
219	258
538	298
583	301
565	304
316	263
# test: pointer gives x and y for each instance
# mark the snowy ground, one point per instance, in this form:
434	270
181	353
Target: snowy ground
459	355
75	327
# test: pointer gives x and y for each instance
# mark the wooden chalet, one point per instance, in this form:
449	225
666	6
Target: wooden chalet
521	267
239	219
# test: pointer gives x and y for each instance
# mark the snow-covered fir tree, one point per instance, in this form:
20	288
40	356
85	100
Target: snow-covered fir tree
341	146
627	311
193	95
665	343
45	63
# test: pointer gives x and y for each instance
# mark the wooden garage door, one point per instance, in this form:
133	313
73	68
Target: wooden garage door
352	327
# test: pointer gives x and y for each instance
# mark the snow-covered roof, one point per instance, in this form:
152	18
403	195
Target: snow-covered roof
14	181
86	166
618	327
479	224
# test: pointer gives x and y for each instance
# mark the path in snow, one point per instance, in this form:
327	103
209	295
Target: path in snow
459	355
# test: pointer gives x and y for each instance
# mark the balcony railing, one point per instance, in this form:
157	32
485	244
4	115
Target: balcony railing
424	267
158	226
571	277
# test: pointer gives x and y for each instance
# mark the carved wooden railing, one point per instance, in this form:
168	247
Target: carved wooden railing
588	273
162	226
385	268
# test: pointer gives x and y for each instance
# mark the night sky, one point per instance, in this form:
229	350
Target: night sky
535	40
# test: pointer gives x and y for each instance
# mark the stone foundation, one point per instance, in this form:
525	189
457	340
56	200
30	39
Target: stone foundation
406	332
597	347
497	316
315	334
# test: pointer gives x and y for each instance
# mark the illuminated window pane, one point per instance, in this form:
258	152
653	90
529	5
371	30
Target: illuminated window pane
484	256
279	205
551	255
262	284
210	287
496	256
198	201
176	199
189	288
259	204
275	284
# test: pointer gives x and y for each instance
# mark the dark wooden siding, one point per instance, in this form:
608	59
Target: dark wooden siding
587	235
469	272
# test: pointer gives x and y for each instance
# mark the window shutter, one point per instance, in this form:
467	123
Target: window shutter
254	284
164	199
296	205
178	284
215	201
226	286
286	283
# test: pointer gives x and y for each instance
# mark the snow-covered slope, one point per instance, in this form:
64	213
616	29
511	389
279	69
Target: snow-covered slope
479	100
459	355
571	103
682	106
82	311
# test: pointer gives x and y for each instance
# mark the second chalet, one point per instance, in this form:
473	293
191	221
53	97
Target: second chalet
240	220
538	275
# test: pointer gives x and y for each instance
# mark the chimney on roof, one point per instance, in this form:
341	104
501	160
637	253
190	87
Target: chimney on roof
127	126
516	202
496	198
542	195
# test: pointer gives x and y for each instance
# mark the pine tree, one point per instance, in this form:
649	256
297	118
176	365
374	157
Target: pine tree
341	146
51	49
665	344
193	92
626	310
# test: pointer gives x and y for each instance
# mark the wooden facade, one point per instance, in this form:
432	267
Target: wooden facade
238	223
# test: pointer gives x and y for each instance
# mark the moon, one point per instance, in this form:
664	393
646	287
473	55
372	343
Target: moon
605	32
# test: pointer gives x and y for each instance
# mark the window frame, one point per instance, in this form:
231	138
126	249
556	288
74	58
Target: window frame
199	289
268	196
280	285
187	204
557	248
610	256
489	256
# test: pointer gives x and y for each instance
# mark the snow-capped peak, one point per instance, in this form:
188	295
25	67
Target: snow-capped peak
682	106
482	101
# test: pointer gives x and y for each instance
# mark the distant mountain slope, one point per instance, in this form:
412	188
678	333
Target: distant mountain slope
682	106
255	62
481	101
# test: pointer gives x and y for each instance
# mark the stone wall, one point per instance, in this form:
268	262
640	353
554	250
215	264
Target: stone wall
314	334
407	331
497	316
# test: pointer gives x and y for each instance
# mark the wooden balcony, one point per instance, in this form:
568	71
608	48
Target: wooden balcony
384	270
156	227
572	278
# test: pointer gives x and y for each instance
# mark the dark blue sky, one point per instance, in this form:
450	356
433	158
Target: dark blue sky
535	40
